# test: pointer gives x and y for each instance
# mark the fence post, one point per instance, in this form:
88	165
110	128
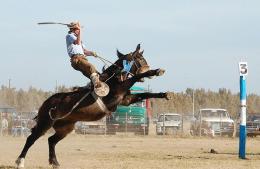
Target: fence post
242	128
200	123
163	123
1	125
126	120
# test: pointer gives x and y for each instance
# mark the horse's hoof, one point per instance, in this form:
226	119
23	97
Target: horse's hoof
54	163
160	72
141	80
55	166
168	96
20	163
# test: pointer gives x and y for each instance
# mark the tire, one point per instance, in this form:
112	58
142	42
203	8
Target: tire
171	131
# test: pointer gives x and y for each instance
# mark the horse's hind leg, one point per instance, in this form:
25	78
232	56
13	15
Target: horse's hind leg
62	129
37	132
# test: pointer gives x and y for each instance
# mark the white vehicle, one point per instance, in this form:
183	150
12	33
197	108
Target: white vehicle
168	123
212	122
91	127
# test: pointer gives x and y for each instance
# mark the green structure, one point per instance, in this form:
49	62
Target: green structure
131	118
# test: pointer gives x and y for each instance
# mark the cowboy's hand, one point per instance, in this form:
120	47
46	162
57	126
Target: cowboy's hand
95	54
78	25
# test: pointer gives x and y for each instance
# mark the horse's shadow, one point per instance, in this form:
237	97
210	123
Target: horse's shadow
7	167
14	167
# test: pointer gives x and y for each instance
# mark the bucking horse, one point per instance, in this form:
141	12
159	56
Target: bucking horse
62	110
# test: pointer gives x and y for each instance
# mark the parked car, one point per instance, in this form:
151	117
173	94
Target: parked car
212	122
170	123
92	127
252	125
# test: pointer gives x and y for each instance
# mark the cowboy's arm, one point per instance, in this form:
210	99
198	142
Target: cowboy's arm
88	52
78	40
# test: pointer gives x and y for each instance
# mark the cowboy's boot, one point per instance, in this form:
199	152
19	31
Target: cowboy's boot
100	88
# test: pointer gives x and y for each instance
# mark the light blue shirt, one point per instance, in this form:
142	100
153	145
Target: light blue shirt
72	48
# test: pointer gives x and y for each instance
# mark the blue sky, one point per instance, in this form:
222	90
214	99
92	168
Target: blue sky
199	43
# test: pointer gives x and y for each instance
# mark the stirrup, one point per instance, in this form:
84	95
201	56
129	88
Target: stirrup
103	90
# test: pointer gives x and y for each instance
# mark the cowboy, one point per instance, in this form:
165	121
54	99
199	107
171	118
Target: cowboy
77	52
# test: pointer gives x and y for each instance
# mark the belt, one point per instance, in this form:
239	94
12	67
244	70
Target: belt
77	55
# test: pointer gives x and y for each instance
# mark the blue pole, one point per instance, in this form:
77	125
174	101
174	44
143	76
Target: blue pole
242	130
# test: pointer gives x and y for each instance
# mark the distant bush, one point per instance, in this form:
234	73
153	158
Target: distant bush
31	100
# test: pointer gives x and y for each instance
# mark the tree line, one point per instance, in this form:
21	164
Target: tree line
185	102
181	102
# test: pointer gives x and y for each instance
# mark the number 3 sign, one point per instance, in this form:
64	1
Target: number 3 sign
243	69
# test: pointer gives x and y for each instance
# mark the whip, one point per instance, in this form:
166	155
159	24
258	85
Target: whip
47	23
56	23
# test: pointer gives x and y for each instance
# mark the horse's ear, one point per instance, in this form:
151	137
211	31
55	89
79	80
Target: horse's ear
104	68
119	54
138	47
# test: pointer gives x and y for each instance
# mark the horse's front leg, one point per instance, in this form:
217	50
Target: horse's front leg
136	78
133	98
149	73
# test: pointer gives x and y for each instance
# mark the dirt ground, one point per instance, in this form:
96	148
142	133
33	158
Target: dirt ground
128	152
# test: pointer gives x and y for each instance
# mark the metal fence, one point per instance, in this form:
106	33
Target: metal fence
20	125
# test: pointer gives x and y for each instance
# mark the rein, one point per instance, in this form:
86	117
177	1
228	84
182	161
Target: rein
138	62
105	60
66	115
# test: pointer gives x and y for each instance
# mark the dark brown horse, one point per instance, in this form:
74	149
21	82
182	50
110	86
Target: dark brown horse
62	110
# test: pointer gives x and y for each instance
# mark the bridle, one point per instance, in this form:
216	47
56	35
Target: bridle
138	61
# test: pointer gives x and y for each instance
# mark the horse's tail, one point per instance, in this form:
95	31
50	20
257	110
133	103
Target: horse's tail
43	114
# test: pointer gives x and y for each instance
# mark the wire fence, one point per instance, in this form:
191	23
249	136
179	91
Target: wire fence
20	124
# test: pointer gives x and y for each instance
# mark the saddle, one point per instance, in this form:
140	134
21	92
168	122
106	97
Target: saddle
102	91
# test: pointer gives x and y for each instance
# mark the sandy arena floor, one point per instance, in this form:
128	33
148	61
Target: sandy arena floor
133	152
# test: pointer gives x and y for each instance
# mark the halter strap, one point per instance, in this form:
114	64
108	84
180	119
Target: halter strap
127	66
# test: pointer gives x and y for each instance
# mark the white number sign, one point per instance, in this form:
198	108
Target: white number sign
243	69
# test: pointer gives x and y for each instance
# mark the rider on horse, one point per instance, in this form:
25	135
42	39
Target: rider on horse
77	52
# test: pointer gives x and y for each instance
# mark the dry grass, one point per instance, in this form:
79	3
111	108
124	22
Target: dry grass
128	152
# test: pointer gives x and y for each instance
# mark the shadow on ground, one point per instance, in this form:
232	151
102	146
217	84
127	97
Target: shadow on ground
7	167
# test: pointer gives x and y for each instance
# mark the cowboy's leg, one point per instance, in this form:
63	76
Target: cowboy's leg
81	64
133	98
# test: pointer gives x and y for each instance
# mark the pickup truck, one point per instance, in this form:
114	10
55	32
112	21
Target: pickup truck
211	122
253	125
168	123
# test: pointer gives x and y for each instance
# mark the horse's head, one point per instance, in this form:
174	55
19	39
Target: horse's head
127	65
135	61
